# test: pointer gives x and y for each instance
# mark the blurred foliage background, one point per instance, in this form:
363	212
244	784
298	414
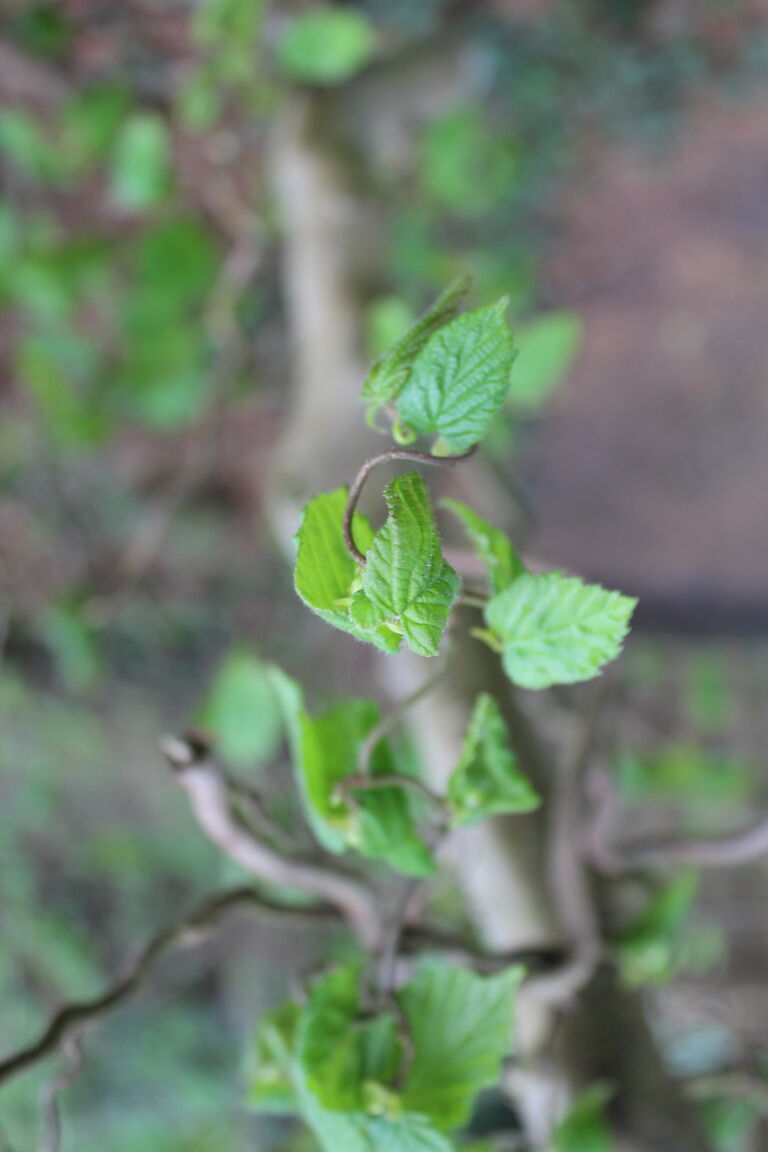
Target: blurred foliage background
144	373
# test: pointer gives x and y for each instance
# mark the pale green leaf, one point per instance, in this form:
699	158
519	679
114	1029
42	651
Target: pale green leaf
242	712
325	46
325	571
269	1073
461	1027
554	629
391	370
487	780
406	584
585	1128
547	347
141	164
493	547
381	824
410	1133
460	379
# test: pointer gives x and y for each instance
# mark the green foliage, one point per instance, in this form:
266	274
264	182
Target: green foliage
141	164
350	1081
72	645
269	1073
685	773
460	379
461	1028
241	711
379	823
492	546
326	46
554	629
390	372
487	780
649	949
325	571
406	585
547	348
585	1128
465	166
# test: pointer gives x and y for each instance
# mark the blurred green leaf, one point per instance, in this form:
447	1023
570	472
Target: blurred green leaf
326	46
648	950
487	780
547	348
242	711
140	171
465	165
71	642
585	1128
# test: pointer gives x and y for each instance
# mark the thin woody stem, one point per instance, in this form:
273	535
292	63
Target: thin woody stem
358	484
393	718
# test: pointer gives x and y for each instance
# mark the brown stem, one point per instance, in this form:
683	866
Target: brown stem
716	852
358	484
388	780
189	931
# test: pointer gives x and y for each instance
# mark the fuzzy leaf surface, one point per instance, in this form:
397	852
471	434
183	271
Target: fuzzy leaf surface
555	629
406	584
460	379
487	780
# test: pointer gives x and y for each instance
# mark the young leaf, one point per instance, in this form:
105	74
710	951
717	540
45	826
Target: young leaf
391	370
340	1054
487	780
270	1075
460	379
547	347
242	711
326	46
493	547
554	629
325	571
585	1128
406	585
460	1025
381	825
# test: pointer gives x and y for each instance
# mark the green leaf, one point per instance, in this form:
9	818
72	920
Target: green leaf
460	379
491	544
270	1086
406	584
410	1133
649	950
547	347
460	1025
326	46
325	571
381	825
65	631
391	370
340	1053
487	780
141	163
554	629
241	711
585	1128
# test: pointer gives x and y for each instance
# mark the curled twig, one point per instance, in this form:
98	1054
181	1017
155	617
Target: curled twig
358	484
185	933
206	788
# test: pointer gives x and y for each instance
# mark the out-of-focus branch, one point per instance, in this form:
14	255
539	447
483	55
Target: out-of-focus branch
612	856
568	874
206	788
191	930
